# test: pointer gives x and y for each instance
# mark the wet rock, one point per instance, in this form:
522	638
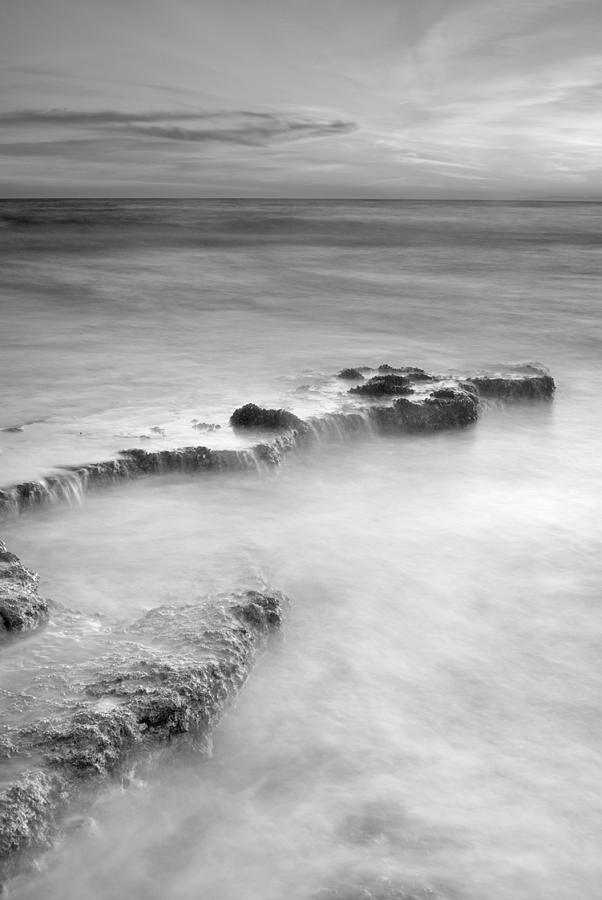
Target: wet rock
384	386
92	742
351	374
412	372
21	607
28	817
538	386
253	416
444	393
432	414
170	677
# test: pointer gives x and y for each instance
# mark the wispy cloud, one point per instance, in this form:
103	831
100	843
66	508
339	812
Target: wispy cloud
221	126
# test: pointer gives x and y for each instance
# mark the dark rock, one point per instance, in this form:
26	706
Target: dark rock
350	374
417	374
384	386
253	416
444	393
21	607
431	414
538	386
412	372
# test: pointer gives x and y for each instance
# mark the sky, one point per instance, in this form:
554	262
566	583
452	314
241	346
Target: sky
484	99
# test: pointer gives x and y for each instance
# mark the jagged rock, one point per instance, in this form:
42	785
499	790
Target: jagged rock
253	416
538	386
384	386
431	414
28	816
175	673
351	374
21	607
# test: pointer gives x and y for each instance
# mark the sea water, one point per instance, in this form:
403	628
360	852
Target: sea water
430	719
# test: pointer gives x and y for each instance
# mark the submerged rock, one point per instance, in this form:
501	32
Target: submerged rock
253	416
384	386
21	607
170	676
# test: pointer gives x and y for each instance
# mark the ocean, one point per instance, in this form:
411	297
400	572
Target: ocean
428	725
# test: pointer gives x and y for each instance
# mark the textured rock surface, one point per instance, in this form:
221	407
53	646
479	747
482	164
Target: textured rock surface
384	386
169	676
538	386
351	374
21	607
453	408
253	416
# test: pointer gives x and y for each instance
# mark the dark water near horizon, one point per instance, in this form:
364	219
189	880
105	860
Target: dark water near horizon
432	715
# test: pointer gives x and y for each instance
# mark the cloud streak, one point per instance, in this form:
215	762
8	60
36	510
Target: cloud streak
242	127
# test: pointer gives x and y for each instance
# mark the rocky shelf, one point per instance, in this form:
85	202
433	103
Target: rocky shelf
165	682
385	400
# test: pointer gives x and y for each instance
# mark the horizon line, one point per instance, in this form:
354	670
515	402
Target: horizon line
316	199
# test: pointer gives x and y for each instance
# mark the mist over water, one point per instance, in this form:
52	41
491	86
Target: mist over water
431	715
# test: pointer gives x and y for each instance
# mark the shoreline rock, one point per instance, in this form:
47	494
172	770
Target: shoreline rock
21	607
253	416
172	678
384	386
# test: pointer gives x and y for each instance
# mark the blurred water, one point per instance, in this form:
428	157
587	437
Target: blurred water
123	316
432	715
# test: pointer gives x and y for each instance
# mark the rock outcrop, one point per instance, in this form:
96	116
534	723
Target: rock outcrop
350	375
253	416
166	681
438	401
539	386
21	607
384	386
453	408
